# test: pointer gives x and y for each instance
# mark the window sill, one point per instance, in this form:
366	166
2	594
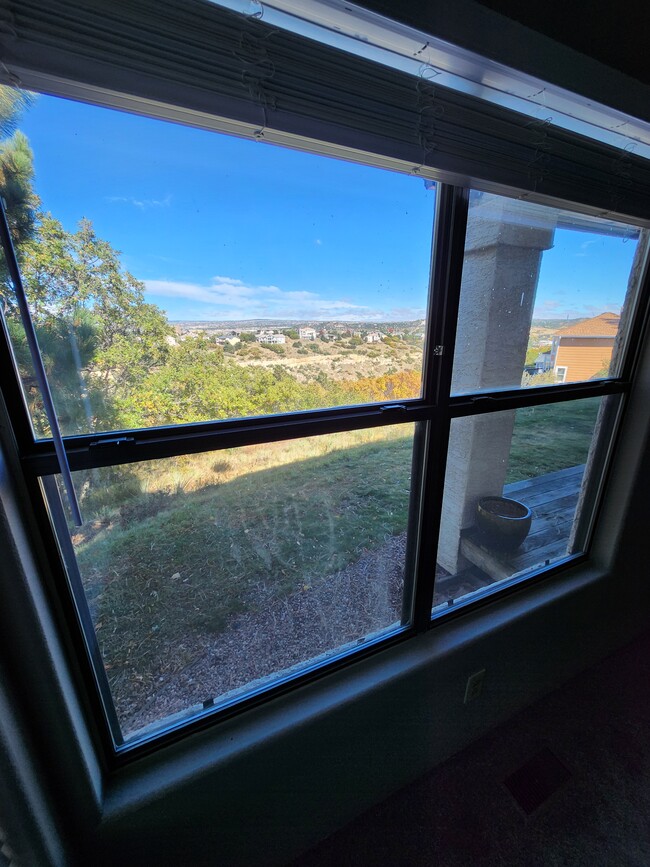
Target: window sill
298	748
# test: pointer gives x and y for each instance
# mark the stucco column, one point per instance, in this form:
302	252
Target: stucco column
503	252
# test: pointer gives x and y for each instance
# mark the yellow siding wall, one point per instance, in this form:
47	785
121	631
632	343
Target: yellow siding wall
583	356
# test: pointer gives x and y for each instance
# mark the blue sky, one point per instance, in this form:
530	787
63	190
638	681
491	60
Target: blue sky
222	228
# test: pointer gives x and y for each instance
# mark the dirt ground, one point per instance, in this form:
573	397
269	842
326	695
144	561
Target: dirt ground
342	610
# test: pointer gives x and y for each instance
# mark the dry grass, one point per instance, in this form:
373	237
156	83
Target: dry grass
337	360
195	472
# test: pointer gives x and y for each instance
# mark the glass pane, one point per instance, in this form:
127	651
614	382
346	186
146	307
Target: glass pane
545	296
179	275
519	492
211	575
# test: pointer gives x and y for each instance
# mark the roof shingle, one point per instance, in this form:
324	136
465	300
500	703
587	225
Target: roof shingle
605	325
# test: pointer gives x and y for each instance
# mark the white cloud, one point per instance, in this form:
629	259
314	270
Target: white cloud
548	309
231	298
574	309
141	204
584	247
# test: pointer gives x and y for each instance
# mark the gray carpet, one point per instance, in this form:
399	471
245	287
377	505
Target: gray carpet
579	763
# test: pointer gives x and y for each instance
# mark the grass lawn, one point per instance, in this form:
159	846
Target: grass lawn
218	550
552	437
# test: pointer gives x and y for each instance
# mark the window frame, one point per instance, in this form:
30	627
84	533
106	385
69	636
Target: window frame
432	414
563	368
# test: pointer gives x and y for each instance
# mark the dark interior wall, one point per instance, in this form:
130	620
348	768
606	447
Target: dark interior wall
615	34
597	49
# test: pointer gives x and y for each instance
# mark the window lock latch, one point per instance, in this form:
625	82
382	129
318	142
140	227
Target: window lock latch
438	350
115	441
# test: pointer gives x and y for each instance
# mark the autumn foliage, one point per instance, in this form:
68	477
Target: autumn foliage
391	386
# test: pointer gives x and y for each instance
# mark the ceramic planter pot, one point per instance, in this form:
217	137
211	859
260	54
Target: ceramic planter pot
503	523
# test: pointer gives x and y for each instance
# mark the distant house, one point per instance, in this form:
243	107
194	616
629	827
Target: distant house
543	362
581	351
374	337
233	341
307	333
270	337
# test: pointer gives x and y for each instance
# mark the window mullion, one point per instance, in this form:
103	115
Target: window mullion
446	272
639	315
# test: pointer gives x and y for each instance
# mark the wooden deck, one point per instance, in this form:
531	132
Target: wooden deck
553	499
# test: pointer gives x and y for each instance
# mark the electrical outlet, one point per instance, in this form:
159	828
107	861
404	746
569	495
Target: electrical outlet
474	685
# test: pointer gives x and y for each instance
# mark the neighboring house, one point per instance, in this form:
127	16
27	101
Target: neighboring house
543	362
233	341
374	337
307	333
580	351
268	335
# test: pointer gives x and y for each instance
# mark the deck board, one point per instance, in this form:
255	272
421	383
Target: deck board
553	499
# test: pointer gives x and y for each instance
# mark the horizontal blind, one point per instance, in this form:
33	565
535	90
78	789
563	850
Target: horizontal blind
204	58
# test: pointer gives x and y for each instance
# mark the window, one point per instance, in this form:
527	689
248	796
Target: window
311	406
275	531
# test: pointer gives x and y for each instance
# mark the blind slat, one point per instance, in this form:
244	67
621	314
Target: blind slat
196	55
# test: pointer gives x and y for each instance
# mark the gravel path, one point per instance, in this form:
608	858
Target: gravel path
342	609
